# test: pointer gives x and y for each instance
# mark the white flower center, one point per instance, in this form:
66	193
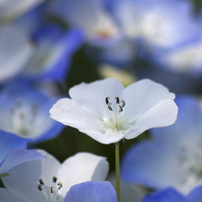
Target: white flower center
51	193
23	118
116	121
191	161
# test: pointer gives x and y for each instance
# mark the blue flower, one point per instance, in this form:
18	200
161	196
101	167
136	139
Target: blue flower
173	157
25	112
52	54
170	194
159	24
13	152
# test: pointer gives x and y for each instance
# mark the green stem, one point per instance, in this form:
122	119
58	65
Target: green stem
117	171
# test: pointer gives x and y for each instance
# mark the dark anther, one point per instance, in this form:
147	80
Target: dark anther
54	179
60	185
109	106
117	100
51	190
40	187
107	100
123	103
41	181
120	109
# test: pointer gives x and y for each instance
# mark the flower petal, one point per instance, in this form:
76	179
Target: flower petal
188	127
91	97
7	196
166	195
11	59
24	179
82	167
195	195
16	157
91	192
10	141
163	114
152	164
142	96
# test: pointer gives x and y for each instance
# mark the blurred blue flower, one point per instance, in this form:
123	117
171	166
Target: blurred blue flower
13	152
158	24
91	192
52	55
90	16
12	61
173	157
25	112
170	194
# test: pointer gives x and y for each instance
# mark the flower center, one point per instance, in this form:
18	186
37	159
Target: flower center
115	122
51	193
22	118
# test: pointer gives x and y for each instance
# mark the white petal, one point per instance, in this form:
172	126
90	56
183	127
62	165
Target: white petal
23	180
142	96
68	113
82	167
91	97
7	196
12	60
163	114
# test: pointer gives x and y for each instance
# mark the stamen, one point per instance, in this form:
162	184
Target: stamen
51	190
54	179
40	187
109	106
123	103
117	100
120	109
60	185
41	181
107	100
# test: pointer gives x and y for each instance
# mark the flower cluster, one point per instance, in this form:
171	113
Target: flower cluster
127	74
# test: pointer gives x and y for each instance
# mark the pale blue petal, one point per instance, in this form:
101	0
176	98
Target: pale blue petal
195	195
91	192
10	141
167	195
16	157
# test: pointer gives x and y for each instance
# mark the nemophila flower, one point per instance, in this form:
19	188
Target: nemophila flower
12	60
47	180
89	15
173	157
24	111
108	112
52	55
160	24
171	194
91	192
13	152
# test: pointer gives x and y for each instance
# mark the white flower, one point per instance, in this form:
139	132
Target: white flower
48	180
108	112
